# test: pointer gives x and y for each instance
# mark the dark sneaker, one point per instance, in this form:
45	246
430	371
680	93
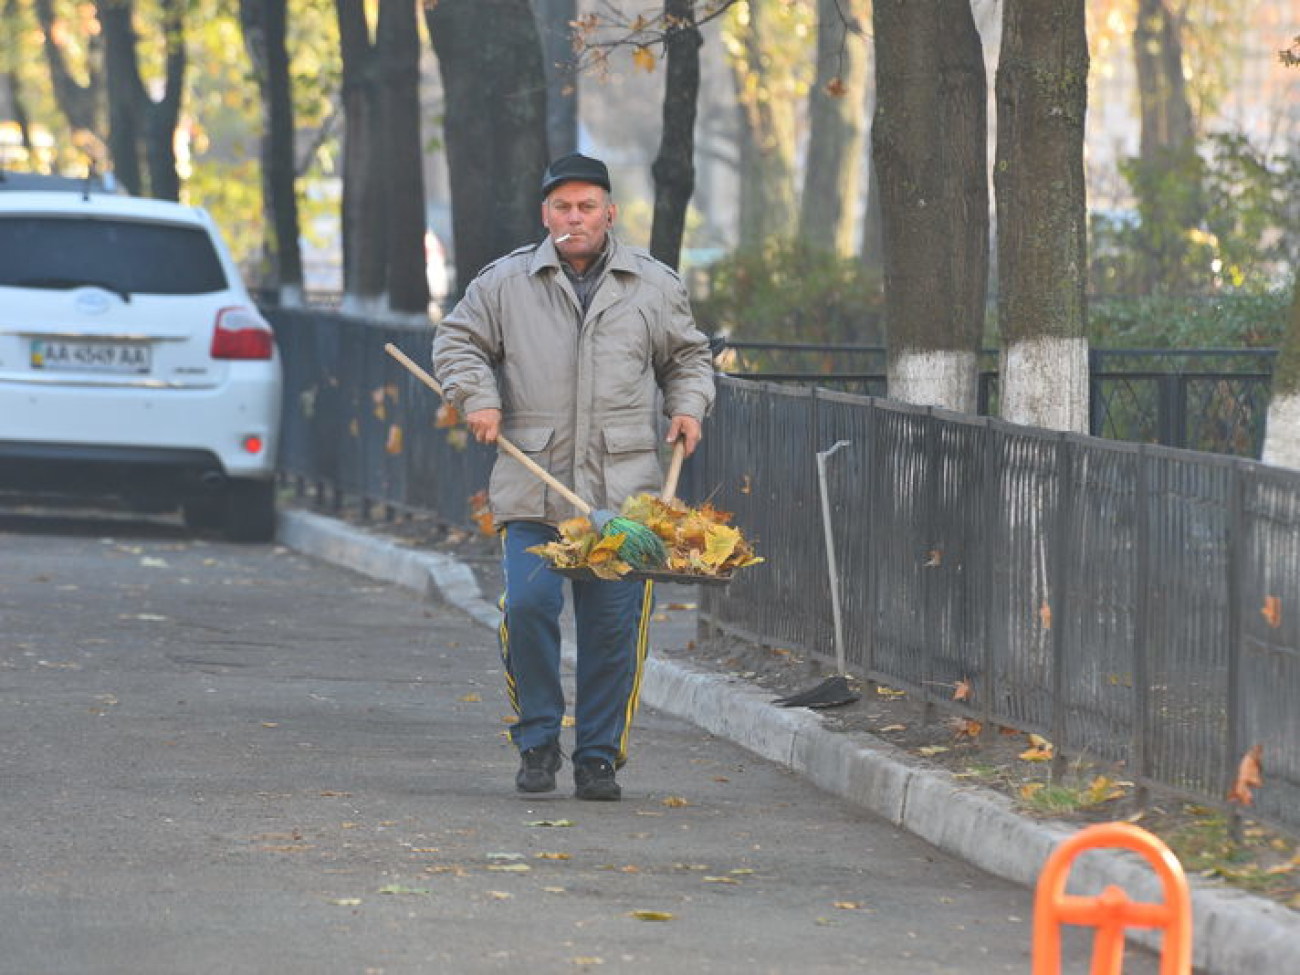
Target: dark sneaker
594	780
537	768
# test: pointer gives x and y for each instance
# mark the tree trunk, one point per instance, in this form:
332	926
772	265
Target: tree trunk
674	167
1282	433
264	27
1166	114
930	147
82	105
833	169
1166	178
398	48
490	58
162	116
873	245
364	264
13	86
141	132
766	178
1042	98
555	24
126	94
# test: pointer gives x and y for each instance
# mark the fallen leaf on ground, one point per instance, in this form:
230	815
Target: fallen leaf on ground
1250	774
1040	750
651	915
403	889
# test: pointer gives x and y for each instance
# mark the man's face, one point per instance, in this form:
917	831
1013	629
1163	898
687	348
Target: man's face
585	212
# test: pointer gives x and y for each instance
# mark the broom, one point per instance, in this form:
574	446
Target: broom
640	547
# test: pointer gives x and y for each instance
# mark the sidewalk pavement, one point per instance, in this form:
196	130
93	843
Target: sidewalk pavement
1234	932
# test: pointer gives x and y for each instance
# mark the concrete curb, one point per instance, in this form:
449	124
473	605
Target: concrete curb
1233	932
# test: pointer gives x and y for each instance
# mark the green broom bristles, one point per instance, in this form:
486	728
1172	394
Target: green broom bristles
641	548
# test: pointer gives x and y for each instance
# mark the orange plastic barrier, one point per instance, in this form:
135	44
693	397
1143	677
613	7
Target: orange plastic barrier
1111	911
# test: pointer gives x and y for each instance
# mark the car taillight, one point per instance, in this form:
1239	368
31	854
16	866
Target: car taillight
241	334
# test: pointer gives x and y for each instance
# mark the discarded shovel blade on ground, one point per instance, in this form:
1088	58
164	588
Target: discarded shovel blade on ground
830	693
833	691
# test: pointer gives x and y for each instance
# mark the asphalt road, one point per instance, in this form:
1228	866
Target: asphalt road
234	759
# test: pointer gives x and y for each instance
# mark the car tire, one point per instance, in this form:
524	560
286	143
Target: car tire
205	514
250	511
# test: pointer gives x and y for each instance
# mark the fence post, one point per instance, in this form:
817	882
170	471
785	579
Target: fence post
1096	408
869	459
932	489
1142	628
1172	409
1232	568
1057	592
987	584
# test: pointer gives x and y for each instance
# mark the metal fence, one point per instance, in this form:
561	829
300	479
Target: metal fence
1131	602
1210	399
357	424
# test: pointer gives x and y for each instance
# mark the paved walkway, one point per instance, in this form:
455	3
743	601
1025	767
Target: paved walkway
236	759
1234	933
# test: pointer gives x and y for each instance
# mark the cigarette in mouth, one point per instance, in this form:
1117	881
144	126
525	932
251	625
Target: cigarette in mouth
561	240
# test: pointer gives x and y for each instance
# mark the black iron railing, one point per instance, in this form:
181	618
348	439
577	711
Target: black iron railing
1129	601
1211	399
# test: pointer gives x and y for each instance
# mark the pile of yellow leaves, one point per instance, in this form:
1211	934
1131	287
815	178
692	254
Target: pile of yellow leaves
700	541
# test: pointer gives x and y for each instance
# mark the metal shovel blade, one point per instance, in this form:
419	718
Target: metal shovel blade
830	693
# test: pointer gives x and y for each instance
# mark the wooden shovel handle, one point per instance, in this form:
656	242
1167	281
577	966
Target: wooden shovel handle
532	465
674	469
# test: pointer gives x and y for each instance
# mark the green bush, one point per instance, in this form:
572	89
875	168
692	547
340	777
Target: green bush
787	292
1164	322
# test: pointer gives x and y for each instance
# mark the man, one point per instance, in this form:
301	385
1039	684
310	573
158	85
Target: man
570	348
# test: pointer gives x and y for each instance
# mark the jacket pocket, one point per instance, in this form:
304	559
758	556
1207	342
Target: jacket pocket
515	491
631	463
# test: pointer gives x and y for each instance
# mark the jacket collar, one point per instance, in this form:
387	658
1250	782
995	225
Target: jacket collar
546	256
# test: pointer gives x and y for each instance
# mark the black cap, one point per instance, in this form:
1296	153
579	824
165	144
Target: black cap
575	166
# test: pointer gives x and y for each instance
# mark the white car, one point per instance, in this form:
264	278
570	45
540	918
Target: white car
133	362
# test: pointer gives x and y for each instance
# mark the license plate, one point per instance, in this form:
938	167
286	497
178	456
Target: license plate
128	358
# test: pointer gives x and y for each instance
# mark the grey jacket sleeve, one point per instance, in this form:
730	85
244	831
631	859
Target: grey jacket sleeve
466	348
683	363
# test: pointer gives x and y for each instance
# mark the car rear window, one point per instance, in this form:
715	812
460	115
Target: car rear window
122	255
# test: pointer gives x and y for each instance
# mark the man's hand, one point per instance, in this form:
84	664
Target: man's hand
687	428
485	425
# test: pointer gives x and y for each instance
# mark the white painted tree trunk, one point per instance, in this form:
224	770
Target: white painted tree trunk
1282	432
291	296
936	377
365	306
1044	383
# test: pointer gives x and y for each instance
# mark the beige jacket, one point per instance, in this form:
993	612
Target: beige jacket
580	395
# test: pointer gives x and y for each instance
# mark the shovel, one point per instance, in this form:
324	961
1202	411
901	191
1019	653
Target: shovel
833	691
